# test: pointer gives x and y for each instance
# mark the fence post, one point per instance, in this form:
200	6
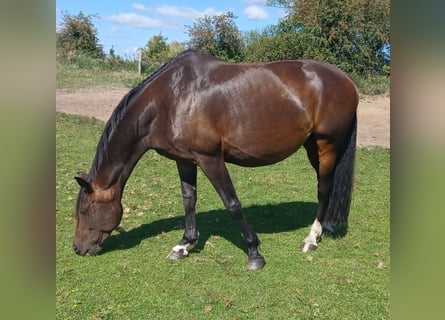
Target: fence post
139	51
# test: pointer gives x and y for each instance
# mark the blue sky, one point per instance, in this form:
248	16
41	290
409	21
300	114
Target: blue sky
128	25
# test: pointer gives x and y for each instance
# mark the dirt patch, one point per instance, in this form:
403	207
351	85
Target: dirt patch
373	111
374	121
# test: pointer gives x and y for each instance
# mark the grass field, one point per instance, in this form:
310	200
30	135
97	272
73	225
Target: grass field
346	278
72	77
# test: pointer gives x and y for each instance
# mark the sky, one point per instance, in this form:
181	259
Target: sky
127	25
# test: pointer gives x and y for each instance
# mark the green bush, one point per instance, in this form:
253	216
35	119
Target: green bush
372	84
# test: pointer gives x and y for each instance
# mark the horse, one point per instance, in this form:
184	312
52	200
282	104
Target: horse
203	112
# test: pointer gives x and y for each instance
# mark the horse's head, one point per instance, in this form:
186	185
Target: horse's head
98	213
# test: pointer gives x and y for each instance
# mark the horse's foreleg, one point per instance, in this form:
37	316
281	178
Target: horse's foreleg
187	174
216	171
324	168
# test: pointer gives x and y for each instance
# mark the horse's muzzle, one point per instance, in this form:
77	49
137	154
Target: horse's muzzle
88	247
91	251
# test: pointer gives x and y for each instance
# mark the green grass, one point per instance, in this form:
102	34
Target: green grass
75	77
346	278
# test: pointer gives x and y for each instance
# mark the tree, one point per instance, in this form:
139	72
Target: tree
175	48
217	36
272	43
349	33
78	36
156	52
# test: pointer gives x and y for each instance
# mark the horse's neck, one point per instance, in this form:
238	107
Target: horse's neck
115	161
120	147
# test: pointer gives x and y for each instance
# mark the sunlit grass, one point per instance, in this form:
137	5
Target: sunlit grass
72	77
346	278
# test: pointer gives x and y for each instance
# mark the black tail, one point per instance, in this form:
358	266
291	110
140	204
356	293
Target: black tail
340	197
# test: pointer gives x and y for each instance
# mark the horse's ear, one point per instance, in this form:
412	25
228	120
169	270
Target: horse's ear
81	179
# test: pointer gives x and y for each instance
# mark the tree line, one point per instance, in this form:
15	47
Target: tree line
352	34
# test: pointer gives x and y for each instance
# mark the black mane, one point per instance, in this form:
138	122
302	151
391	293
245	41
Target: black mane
120	111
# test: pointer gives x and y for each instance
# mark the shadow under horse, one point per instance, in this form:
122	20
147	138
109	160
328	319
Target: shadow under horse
265	219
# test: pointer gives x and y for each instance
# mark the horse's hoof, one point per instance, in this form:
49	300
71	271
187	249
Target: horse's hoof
176	255
178	252
256	263
308	247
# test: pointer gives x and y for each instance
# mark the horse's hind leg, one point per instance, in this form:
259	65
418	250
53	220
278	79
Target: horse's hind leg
187	173
216	171
322	156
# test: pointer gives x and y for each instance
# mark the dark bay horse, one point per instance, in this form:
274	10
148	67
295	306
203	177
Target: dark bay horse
200	111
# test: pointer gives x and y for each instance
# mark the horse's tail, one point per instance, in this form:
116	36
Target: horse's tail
340	197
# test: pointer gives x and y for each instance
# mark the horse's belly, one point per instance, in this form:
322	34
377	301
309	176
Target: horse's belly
263	138
242	158
264	148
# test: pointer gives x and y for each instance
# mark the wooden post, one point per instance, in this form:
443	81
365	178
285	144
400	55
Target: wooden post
140	61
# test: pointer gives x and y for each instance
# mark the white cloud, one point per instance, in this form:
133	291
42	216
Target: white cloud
177	12
158	15
140	22
256	13
139	7
184	13
251	2
114	30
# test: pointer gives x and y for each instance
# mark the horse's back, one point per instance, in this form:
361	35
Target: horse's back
249	111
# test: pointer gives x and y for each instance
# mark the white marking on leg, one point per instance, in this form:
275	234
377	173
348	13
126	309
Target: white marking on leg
316	230
313	237
182	249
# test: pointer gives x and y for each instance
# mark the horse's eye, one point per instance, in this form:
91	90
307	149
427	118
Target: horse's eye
84	208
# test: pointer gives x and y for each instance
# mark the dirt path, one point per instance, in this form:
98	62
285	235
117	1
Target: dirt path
373	111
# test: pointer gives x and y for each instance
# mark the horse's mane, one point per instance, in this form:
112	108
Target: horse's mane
120	111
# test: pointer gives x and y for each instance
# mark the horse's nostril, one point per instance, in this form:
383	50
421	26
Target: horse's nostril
75	248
